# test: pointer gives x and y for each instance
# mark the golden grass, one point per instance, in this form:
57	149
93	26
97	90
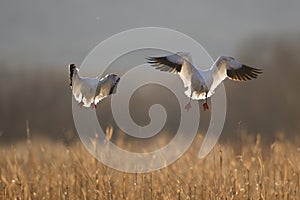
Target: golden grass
42	169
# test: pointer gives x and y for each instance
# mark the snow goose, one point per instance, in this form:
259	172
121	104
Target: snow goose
200	84
90	91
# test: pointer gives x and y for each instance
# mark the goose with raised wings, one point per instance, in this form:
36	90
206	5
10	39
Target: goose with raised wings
88	92
201	84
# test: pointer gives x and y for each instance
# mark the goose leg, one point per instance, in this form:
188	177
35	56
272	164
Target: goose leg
205	104
80	104
93	106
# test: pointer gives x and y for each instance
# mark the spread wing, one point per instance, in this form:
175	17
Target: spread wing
243	73
172	63
106	87
229	67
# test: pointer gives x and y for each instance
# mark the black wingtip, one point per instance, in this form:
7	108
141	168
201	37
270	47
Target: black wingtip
244	73
163	64
151	60
255	70
72	67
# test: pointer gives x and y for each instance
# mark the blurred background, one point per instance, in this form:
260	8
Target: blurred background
40	38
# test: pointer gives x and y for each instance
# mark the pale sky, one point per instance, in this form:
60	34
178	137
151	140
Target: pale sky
62	31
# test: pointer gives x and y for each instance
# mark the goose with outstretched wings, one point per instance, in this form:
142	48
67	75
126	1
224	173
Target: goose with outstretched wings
200	84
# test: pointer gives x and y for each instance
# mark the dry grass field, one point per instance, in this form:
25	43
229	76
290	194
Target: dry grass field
41	169
41	157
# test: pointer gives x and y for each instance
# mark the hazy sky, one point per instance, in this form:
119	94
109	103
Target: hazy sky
64	31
